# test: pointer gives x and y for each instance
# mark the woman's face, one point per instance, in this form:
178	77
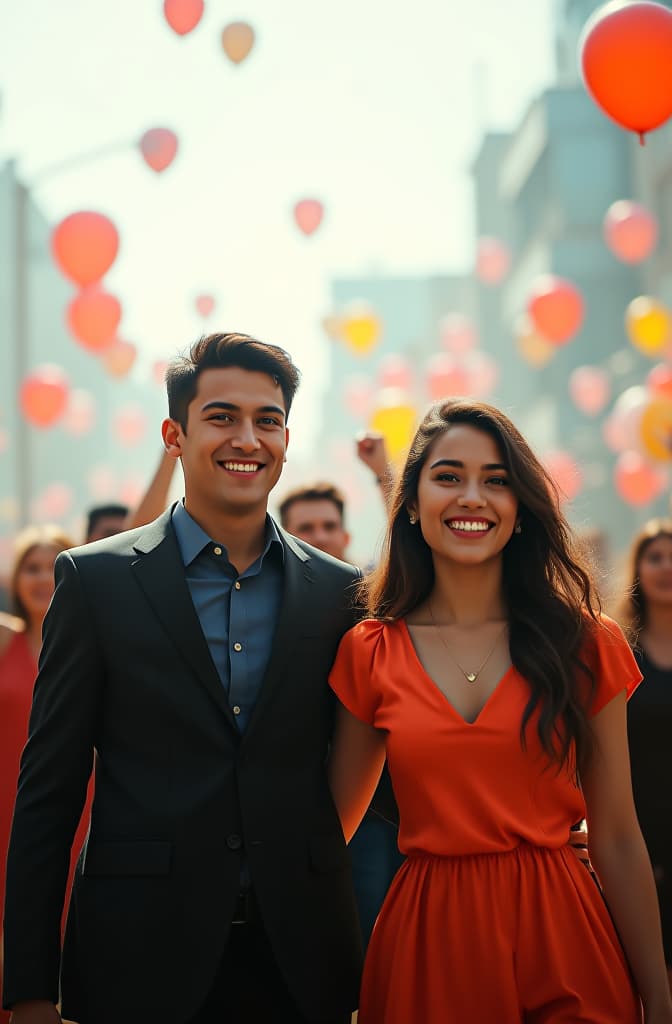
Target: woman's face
35	579
465	504
655	571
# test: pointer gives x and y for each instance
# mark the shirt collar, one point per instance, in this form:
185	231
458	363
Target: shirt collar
192	538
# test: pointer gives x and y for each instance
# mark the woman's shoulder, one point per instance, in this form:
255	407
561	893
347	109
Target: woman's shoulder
10	626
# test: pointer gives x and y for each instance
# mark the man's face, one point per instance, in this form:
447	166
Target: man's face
234	446
106	526
319	523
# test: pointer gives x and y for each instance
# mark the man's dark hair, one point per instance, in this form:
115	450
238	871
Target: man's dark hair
312	492
98	512
214	351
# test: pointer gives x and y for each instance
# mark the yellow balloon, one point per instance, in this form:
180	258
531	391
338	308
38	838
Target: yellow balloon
360	328
394	417
648	324
237	40
655	429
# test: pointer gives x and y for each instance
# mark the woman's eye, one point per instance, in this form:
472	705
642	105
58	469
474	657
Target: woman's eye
446	477
500	481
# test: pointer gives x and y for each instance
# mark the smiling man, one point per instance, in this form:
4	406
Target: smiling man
192	655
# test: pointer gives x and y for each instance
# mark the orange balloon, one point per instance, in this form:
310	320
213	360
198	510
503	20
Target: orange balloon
205	304
237	40
84	246
626	60
308	214
119	358
656	429
183	15
93	317
630	231
44	395
159	148
637	482
555	307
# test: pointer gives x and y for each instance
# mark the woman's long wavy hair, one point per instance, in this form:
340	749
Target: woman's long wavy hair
549	596
631	611
26	541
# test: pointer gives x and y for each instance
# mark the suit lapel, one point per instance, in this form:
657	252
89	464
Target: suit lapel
160	573
292	622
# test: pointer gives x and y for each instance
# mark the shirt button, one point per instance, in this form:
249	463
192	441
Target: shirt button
237	647
235	709
237	585
217	550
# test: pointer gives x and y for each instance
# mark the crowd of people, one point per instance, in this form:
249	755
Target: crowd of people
244	762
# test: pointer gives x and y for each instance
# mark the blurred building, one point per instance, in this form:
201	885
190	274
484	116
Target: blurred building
57	473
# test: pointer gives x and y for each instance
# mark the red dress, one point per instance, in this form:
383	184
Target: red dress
492	918
18	670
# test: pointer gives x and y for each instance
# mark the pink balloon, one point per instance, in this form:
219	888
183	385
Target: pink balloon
159	148
129	425
44	395
659	381
446	377
482	374
357	396
56	500
630	231
555	307
394	371
457	334
627	416
119	358
566	474
308	214
589	389
205	304
183	15
636	481
493	260
613	434
102	483
159	371
80	413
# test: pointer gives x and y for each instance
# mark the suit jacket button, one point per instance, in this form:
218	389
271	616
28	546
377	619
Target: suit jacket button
234	842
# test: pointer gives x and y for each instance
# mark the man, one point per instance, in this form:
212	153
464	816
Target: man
316	514
193	655
105	521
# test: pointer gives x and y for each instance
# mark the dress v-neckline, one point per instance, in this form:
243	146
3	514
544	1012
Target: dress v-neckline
435	686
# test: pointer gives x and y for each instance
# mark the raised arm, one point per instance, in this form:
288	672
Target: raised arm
621	860
355	763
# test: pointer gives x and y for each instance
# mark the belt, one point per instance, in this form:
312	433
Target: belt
245	910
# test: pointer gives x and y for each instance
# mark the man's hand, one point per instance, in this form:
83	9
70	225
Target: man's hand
35	1011
372	452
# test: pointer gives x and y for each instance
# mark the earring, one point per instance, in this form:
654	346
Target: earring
412	518
518	528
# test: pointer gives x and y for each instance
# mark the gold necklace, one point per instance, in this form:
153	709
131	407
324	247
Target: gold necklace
471	677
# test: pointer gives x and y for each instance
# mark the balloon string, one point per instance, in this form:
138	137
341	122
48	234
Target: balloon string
642	140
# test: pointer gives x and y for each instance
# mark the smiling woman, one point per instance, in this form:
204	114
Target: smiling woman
487	674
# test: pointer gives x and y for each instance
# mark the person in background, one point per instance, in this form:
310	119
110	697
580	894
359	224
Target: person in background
105	521
645	613
487	674
316	514
31	587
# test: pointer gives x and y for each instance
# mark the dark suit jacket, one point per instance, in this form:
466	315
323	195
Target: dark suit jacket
179	794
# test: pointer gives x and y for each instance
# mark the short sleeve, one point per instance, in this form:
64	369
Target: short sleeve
352	676
609	657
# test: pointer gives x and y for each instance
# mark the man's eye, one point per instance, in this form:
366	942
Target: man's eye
269	421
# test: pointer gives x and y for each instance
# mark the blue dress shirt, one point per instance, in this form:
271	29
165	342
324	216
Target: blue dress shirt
238	613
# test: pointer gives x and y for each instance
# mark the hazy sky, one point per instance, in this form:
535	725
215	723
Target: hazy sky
371	106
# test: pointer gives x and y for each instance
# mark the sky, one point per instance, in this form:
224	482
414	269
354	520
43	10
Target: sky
375	108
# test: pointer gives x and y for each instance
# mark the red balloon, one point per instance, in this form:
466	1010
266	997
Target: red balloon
183	15
93	317
555	307
630	231
626	60
308	214
205	304
158	147
44	395
84	246
636	481
659	381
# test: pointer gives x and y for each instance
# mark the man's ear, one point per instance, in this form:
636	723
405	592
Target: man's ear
172	433
286	443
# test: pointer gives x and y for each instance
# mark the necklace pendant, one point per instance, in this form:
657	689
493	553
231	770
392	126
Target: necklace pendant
471	676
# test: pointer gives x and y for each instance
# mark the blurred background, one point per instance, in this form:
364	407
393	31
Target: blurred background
381	189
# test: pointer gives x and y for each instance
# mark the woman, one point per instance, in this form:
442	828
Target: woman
646	616
31	587
487	674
